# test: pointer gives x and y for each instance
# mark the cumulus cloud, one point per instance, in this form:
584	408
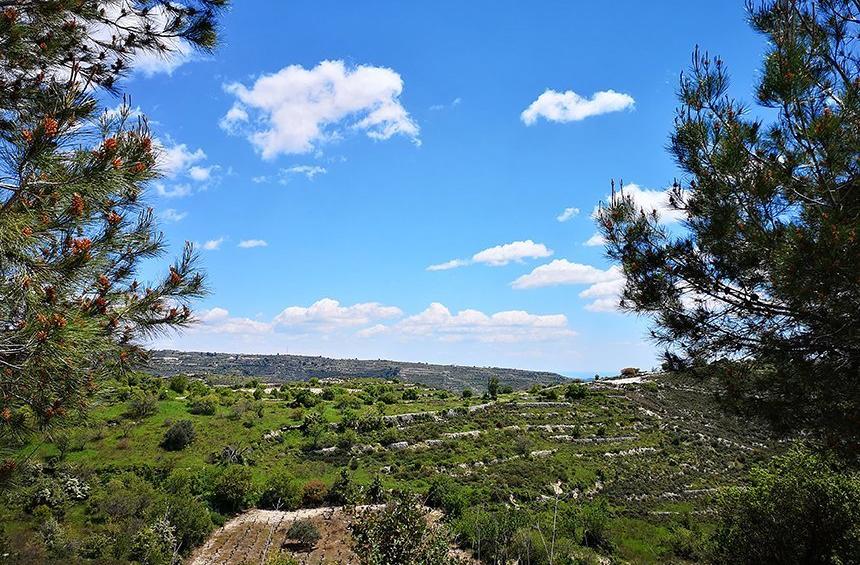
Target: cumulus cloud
172	215
516	251
499	255
182	170
563	272
650	200
508	326
218	320
569	106
604	290
370	320
567	214
251	243
328	313
295	110
596	240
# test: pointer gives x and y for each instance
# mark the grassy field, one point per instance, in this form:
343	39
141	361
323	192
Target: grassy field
647	458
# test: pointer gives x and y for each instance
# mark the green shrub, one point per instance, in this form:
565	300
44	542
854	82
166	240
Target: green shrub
575	391
179	436
178	383
190	519
467	393
281	492
305	533
205	406
141	405
802	508
398	534
233	489
410	394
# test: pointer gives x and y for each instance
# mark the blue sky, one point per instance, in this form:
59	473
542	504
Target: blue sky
329	153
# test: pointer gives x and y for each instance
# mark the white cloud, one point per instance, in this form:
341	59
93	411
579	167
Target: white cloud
376	329
567	214
650	200
176	158
328	317
499	255
309	171
213	244
181	166
174	191
200	174
172	215
251	243
596	240
508	327
563	272
295	110
328	313
569	106
517	251
452	264
218	321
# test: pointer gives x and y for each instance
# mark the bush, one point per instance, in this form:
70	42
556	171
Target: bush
344	490
205	406
191	521
305	533
803	508
233	489
595	517
281	492
178	383
467	393
314	493
178	436
398	534
141	405
575	391
410	394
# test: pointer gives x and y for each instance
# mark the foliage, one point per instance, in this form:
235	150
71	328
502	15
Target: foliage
73	225
305	533
205	406
233	489
493	387
399	533
764	272
179	436
575	391
803	508
314	493
142	404
178	383
281	492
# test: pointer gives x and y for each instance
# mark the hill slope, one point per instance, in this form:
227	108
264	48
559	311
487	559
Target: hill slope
282	368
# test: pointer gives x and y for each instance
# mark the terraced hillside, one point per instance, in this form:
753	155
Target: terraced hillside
625	469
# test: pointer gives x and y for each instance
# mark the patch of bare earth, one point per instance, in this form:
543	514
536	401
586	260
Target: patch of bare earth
255	536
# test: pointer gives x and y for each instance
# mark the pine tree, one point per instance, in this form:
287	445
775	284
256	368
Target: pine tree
764	276
74	224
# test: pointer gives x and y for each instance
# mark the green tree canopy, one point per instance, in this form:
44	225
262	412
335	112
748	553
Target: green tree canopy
764	274
74	224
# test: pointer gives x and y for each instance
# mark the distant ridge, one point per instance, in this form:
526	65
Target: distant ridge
282	368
